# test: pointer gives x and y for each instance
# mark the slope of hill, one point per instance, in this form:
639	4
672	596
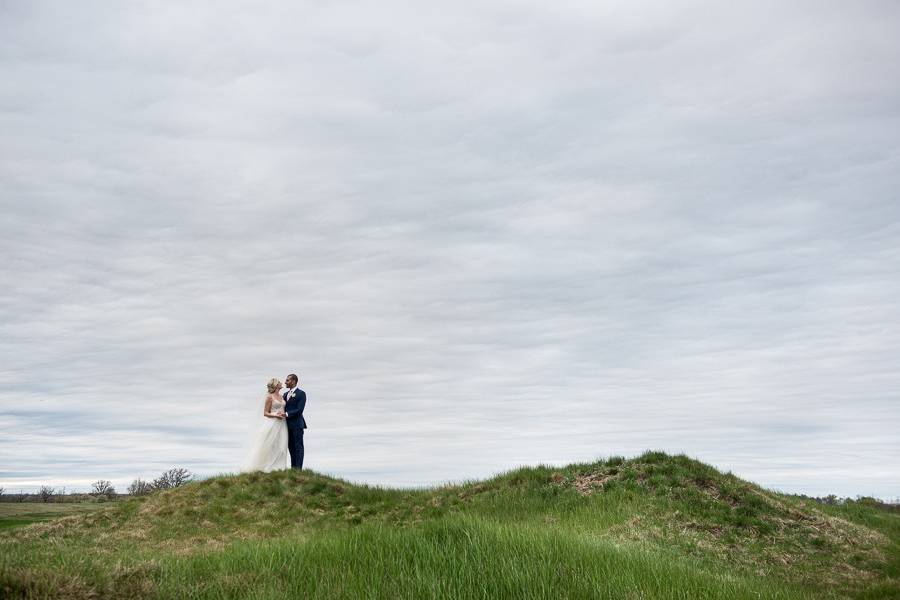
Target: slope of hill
655	526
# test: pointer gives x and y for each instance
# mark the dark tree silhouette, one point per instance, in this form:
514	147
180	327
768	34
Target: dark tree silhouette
139	487
103	487
173	478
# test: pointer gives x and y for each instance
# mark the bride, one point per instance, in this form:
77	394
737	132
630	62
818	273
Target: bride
270	451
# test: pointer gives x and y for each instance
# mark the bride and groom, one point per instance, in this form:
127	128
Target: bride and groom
282	432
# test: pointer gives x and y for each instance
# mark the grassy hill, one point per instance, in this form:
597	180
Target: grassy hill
655	526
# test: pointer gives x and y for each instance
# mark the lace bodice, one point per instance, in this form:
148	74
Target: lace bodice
277	404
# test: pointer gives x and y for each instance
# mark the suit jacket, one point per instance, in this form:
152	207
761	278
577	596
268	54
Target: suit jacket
293	408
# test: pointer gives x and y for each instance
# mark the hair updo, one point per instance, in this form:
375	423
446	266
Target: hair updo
273	385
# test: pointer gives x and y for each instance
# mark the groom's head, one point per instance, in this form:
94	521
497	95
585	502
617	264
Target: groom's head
291	380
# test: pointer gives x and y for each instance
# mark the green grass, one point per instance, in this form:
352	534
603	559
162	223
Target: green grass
655	526
457	557
15	514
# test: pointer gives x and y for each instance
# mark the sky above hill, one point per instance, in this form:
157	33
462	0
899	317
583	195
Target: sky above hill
486	234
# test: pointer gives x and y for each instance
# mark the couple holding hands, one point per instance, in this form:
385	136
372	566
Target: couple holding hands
281	435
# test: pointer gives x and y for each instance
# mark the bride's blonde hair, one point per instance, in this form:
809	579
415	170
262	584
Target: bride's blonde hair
273	385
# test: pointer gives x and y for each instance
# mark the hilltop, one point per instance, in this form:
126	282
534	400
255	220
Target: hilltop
655	526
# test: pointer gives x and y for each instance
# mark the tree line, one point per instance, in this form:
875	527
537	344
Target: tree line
103	490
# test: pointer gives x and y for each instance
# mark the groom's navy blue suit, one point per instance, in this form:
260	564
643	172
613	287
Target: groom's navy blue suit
293	411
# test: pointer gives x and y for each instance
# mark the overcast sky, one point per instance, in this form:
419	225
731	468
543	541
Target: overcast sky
486	234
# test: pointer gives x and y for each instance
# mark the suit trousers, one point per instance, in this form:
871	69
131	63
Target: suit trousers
295	446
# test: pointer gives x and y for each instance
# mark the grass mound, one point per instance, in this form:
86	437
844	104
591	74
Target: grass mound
655	526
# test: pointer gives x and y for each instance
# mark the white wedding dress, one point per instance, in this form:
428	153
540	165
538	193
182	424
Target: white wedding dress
270	450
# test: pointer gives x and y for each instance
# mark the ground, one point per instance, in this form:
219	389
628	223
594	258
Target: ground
655	526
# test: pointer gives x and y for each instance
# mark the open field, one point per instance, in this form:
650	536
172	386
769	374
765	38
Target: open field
14	514
655	526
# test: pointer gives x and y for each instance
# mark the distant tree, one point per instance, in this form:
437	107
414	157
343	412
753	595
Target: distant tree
1	492
139	487
173	478
46	493
104	488
873	502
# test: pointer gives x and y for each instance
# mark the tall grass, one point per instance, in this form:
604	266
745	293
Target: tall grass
459	557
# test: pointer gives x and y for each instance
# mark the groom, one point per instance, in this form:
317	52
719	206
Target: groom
294	403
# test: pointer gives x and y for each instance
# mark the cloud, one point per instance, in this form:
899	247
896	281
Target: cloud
486	235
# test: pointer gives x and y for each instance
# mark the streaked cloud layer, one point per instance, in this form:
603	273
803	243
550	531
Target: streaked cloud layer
485	234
